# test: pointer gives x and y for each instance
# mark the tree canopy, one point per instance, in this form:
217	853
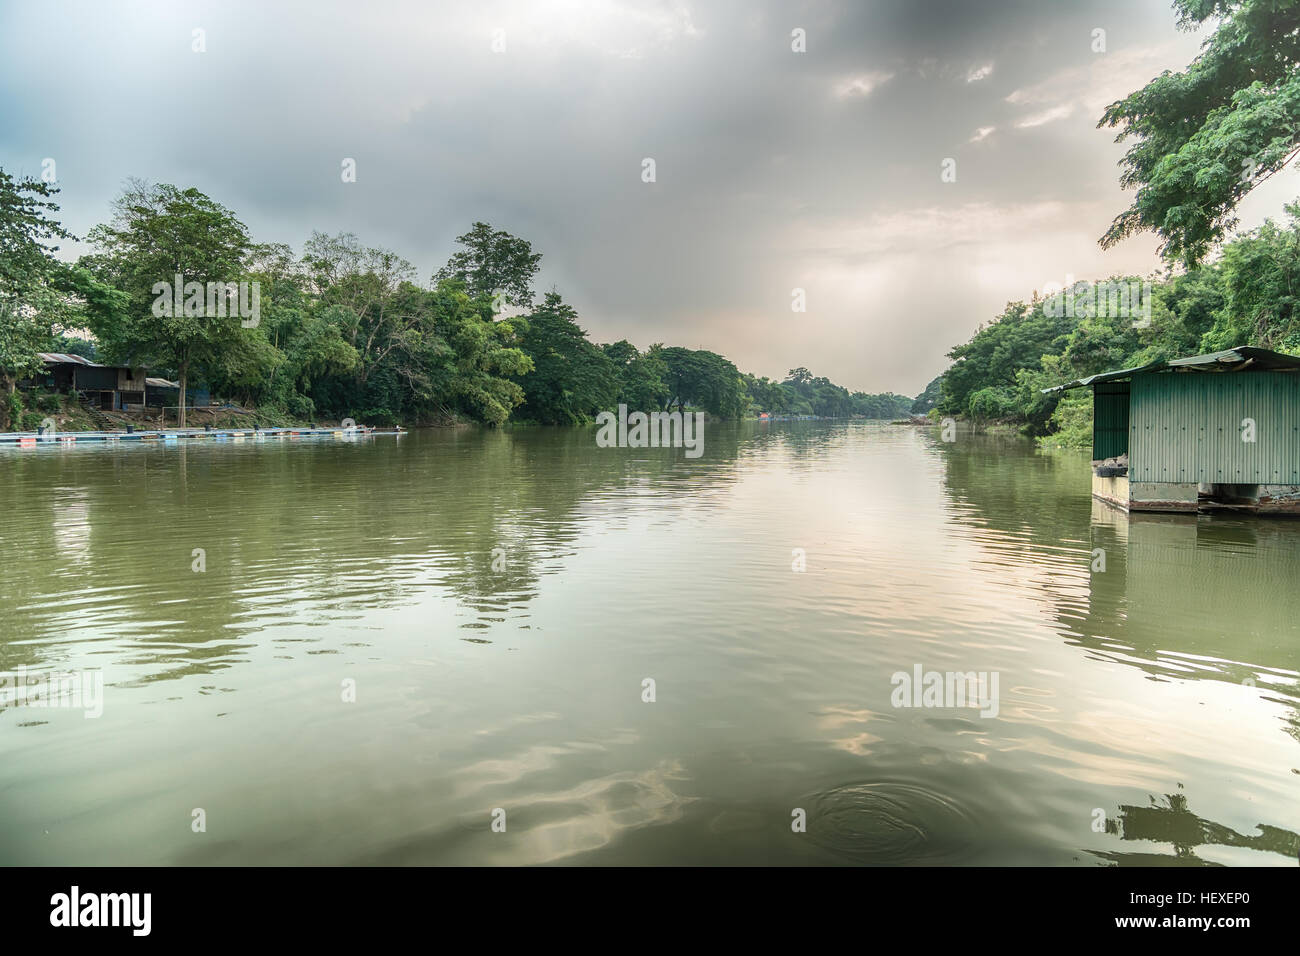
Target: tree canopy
493	263
1204	137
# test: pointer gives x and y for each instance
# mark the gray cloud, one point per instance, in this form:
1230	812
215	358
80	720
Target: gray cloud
775	169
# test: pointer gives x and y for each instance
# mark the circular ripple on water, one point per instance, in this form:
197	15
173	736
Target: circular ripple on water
890	824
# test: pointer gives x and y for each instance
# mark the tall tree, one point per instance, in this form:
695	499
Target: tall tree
492	263
157	233
1208	135
28	277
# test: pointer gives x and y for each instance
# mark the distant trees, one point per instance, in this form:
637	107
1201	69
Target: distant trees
929	398
345	329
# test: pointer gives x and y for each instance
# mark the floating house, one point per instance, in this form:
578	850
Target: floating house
1219	431
107	387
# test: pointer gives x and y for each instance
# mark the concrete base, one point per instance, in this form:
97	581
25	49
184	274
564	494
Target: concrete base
1113	491
1163	496
1186	497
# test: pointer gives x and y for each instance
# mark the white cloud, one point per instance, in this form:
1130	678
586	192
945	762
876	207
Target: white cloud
1047	116
980	73
1107	78
982	133
864	84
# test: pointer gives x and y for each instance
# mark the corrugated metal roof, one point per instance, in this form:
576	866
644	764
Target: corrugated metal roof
1241	359
161	383
63	358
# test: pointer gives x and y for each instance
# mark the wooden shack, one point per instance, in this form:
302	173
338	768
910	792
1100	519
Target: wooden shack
107	387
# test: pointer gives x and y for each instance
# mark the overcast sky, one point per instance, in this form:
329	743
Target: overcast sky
775	170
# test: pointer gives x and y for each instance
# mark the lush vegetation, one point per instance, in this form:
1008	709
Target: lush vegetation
1206	136
345	329
1202	139
1245	297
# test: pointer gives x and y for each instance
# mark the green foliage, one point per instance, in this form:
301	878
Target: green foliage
159	232
344	330
30	301
885	406
929	398
703	379
1260	282
1014	342
493	263
571	379
1071	422
989	404
1208	135
1246	298
639	376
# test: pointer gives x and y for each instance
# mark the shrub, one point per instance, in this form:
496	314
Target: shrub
1071	422
990	403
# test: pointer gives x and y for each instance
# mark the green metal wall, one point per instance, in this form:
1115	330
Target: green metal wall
1110	428
1187	426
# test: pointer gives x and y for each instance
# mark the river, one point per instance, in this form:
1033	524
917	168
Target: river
463	646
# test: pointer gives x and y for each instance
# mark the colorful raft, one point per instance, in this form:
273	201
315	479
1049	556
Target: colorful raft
172	435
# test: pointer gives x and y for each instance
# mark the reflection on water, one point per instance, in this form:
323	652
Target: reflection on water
1172	823
393	638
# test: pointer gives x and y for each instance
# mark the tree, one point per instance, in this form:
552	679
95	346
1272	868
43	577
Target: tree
885	405
1260	284
492	263
927	399
1208	135
29	272
1015	340
640	376
371	298
766	395
571	379
988	404
705	379
157	233
485	362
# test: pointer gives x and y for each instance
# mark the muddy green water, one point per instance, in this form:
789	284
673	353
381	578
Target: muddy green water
494	602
